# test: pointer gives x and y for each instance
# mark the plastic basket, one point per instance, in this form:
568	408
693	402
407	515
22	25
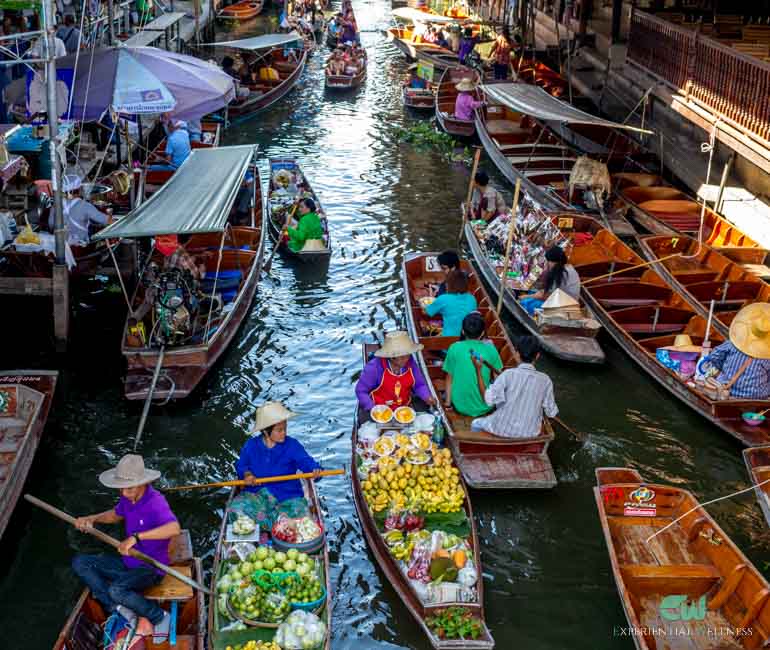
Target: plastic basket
314	607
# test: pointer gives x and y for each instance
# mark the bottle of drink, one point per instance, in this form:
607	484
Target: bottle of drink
438	428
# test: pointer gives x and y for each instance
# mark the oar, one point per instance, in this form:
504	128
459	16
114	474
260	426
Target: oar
259	481
148	400
104	537
268	265
466	207
560	422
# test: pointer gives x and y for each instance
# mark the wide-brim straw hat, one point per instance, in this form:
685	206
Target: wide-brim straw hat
314	245
271	413
397	344
750	330
129	473
465	86
560	298
683	343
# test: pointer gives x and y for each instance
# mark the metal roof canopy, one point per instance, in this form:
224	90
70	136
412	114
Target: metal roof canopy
197	198
536	102
263	42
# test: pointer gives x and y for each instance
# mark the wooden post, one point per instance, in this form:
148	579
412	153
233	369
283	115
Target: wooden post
61	304
507	259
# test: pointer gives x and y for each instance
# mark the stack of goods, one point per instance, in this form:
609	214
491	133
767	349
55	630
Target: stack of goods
415	495
286	189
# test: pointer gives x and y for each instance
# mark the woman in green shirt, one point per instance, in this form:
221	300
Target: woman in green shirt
308	227
462	386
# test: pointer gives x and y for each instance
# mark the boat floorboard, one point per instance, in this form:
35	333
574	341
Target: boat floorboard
507	470
666	548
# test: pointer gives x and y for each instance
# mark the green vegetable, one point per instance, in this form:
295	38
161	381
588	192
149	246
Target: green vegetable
455	623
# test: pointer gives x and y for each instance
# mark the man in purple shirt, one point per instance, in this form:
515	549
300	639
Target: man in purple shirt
150	525
393	377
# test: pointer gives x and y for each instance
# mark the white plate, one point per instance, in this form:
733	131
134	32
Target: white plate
423	422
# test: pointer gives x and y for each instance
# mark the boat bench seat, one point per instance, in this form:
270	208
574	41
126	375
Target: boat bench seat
171	588
669	571
504	127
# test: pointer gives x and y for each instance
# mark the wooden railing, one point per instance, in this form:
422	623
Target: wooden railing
734	86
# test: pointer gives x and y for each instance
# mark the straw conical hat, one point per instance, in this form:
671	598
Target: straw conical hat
314	245
270	413
465	86
397	344
560	298
683	343
750	330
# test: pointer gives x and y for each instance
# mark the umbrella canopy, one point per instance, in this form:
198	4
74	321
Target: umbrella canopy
140	80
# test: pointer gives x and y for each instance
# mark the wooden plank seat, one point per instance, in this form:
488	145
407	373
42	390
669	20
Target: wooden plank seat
171	588
665	572
526	148
504	127
567	161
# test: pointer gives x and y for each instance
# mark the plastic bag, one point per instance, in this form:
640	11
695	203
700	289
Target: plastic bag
301	631
242	550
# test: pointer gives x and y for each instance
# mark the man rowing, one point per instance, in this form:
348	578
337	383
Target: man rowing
117	583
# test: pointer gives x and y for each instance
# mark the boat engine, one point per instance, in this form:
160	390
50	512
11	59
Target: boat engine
175	306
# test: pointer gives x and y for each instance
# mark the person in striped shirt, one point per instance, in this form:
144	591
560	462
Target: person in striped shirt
521	396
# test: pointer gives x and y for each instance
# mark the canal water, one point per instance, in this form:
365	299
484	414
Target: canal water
548	584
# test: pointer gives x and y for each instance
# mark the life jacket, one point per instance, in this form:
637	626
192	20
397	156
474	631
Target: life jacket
396	389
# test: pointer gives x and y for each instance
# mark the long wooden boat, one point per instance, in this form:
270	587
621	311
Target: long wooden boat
439	57
395	571
665	210
418	99
485	460
242	10
689	581
571	341
266	93
276	214
644	313
25	401
531	71
236	275
345	81
446	96
702	274
219	639
757	461
84	628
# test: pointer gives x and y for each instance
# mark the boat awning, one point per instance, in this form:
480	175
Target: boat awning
536	102
407	13
264	42
197	198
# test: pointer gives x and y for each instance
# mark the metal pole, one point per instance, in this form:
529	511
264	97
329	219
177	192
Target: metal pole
111	21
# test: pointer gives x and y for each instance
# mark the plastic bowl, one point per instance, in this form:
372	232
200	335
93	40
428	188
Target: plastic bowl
313	606
753	419
381	408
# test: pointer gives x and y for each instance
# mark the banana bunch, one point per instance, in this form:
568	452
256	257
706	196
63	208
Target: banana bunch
393	537
256	645
402	550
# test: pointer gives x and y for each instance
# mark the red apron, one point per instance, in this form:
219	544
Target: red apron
396	389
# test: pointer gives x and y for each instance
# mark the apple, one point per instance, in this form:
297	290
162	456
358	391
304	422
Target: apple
289	565
269	564
292	553
261	552
280	557
258	565
302	558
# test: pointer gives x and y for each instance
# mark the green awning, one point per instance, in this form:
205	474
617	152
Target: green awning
197	198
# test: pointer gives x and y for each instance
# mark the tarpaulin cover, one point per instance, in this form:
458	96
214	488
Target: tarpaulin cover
537	103
407	13
260	42
197	198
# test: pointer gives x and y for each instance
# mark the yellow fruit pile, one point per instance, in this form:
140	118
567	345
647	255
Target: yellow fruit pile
256	645
426	488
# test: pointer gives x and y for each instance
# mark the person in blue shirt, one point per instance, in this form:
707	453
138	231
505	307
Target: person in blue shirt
454	305
272	453
177	147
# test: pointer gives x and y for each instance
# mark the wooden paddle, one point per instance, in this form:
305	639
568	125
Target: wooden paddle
259	481
268	265
560	422
467	205
104	537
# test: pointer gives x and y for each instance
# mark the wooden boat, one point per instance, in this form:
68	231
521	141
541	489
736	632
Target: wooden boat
531	71
485	460
84	628
154	179
643	313
439	57
25	401
344	81
570	341
233	276
221	639
242	10
39	264
688	582
446	95
277	215
392	570
757	461
665	210
703	275
266	92
418	99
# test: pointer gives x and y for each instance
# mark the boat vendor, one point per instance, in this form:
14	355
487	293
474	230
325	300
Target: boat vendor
117	583
559	274
463	392
414	80
308	228
454	305
500	54
447	261
465	103
78	213
521	395
467	44
393	377
177	147
272	453
486	202
742	363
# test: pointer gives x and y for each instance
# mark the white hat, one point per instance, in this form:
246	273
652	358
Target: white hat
130	472
397	344
465	86
270	413
71	182
180	124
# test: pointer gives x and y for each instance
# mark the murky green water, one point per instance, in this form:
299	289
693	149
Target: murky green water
547	576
